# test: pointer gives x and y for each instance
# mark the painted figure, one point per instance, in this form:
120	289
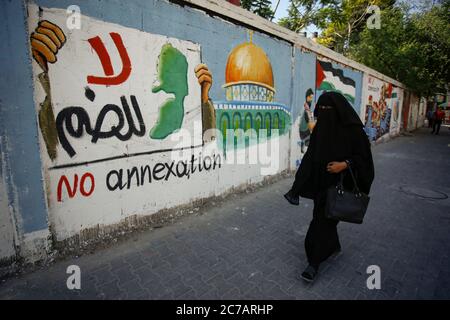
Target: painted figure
379	111
306	120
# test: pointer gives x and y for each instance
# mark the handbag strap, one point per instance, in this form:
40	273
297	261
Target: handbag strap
341	180
353	178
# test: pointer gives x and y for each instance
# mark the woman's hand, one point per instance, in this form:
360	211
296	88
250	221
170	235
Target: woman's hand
336	167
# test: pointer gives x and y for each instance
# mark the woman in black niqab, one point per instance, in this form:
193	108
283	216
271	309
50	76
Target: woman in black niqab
337	141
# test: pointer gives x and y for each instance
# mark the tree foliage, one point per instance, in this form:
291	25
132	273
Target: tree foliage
303	13
260	7
340	20
411	45
341	28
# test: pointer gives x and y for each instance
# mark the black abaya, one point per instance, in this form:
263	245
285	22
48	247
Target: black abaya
322	239
338	136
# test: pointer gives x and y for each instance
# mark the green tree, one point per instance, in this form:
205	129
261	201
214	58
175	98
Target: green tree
260	7
411	46
340	20
341	27
303	13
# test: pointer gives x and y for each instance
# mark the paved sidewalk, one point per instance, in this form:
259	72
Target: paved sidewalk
252	245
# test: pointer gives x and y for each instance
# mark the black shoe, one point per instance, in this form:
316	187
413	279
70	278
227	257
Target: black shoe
294	200
309	274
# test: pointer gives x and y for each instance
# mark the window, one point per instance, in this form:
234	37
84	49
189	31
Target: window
258	123
268	123
276	121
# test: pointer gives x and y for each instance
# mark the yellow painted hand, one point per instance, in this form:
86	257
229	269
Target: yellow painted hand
46	40
204	77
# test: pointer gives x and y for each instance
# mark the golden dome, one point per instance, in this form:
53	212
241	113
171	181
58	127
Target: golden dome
248	63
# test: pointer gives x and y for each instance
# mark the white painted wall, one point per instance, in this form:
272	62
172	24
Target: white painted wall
422	112
69	214
413	113
396	117
6	225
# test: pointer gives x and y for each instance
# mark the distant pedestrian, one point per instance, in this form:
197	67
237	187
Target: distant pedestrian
430	118
439	116
337	141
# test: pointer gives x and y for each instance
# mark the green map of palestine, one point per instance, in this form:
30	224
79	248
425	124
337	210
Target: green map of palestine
172	72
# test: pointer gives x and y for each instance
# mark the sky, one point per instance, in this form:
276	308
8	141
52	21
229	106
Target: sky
282	9
282	12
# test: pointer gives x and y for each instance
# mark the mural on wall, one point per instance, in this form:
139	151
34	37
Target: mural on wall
306	123
172	74
249	96
396	103
46	41
171	67
330	78
111	101
303	97
382	108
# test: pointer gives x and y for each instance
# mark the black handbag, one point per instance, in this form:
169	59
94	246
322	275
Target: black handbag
346	205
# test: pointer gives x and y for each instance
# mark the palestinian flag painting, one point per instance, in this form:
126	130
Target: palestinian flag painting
329	78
